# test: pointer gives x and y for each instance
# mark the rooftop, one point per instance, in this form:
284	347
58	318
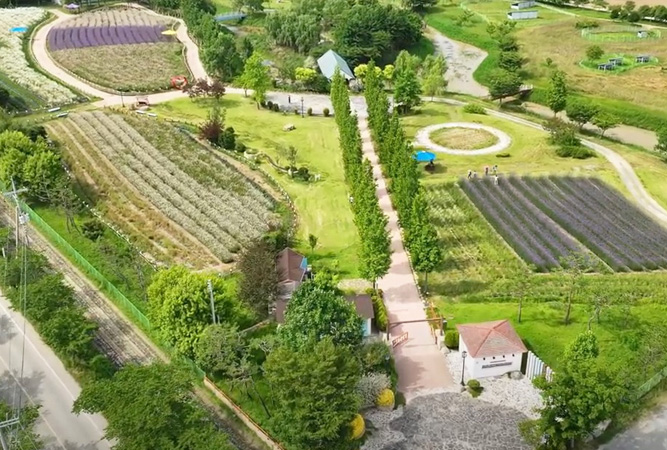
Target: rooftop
487	339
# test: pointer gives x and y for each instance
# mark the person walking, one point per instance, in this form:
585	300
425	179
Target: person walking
469	173
486	171
495	180
495	169
474	174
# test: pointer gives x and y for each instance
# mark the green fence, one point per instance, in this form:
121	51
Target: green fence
81	262
651	383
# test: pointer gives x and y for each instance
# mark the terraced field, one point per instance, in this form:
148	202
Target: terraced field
179	201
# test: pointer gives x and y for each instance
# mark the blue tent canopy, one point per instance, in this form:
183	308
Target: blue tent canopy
423	156
18	29
230	16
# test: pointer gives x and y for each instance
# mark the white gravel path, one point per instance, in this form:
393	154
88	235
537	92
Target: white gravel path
423	139
520	395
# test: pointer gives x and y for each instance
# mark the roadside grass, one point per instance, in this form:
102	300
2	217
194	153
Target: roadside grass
110	255
322	207
129	68
529	154
20	98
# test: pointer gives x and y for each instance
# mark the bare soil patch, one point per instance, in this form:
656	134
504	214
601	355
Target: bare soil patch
463	138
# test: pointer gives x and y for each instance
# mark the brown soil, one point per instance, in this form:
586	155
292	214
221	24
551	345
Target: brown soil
463	138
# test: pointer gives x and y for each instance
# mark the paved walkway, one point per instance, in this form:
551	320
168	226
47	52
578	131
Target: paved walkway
649	432
421	367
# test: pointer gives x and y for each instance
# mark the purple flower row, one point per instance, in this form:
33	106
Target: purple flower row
522	240
78	37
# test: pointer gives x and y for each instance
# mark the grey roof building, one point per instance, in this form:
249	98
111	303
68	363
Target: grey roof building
331	62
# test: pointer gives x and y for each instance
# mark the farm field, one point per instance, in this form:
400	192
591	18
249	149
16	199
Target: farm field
532	212
141	174
322	207
28	88
120	49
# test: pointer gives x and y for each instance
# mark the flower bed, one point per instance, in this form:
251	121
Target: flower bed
14	64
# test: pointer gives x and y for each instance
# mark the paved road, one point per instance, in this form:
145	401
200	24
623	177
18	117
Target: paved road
421	367
648	433
45	382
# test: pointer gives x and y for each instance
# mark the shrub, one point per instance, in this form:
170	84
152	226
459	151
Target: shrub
240	147
302	173
474	388
326	112
358	427
309	111
371	386
574	151
92	229
474	108
503	155
296	111
452	339
269	105
375	357
380	311
228	139
594	52
276	107
385	399
562	133
587	23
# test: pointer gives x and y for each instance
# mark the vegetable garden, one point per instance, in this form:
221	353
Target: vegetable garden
534	215
157	182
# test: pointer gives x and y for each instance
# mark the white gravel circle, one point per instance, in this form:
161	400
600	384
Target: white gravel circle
423	139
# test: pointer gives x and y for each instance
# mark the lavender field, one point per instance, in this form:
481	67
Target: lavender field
93	36
536	216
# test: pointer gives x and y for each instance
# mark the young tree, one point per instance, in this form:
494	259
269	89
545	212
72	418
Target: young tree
256	77
433	75
219	349
581	112
504	84
573	267
510	60
258	284
312	242
557	92
214	126
580	395
425	246
314	312
594	52
605	121
407	92
315	394
661	146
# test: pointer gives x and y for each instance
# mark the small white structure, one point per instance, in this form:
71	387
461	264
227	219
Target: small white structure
493	348
521	15
523	4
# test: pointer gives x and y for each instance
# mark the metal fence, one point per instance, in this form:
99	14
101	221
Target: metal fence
535	367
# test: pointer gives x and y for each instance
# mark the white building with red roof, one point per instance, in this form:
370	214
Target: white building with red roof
493	348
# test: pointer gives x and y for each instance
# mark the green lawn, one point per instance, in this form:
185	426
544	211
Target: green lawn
530	153
322	206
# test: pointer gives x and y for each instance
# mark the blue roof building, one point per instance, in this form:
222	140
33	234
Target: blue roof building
331	62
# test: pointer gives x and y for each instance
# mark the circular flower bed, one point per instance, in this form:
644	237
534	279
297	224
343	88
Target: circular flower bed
463	138
502	140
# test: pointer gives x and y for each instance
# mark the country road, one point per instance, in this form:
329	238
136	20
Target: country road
46	382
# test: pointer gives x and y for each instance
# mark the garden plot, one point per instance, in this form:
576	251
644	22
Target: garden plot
122	49
18	76
161	183
537	216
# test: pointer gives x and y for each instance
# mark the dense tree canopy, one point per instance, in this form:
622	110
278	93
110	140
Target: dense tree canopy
314	389
315	312
300	32
259	279
179	305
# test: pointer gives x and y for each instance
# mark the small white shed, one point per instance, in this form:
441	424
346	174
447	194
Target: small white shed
521	15
493	348
523	4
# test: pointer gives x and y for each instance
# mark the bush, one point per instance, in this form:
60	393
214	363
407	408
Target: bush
452	339
385	399
375	357
228	139
296	111
380	311
503	155
358	427
240	147
574	151
587	23
561	133
474	384
474	108
93	229
474	388
302	173
594	52
309	111
276	107
269	105
371	386
326	112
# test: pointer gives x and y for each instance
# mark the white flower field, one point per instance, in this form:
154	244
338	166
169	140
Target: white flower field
13	62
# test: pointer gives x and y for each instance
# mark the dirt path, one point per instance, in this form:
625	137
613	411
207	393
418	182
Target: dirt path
421	367
462	61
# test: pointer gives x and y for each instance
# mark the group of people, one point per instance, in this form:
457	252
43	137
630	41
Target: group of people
493	170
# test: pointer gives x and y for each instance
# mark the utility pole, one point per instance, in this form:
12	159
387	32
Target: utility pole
210	291
14	195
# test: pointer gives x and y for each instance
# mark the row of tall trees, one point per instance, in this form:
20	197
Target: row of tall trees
371	222
396	156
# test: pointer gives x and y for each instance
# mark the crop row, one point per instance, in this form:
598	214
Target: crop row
529	232
70	37
620	234
116	17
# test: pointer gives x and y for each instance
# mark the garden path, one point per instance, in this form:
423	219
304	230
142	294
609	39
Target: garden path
421	367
